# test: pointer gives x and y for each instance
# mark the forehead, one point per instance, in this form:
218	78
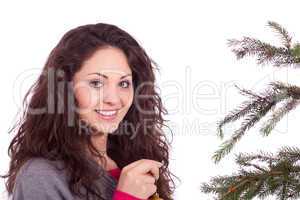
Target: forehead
108	61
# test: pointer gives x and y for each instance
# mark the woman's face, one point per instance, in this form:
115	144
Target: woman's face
104	90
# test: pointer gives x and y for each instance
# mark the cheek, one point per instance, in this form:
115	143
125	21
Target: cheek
86	98
128	98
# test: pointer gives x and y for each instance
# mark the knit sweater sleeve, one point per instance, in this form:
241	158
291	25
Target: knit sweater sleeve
119	195
38	179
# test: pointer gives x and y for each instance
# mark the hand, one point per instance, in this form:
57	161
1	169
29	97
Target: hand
138	178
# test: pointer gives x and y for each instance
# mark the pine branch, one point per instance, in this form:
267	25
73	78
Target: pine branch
284	35
241	111
260	175
254	110
291	153
249	122
245	108
295	51
269	125
267	53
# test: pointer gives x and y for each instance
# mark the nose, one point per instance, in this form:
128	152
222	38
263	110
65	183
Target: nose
111	95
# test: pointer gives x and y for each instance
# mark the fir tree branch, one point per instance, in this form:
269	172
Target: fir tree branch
284	35
277	115
245	108
262	174
253	110
259	178
291	153
236	114
249	122
267	53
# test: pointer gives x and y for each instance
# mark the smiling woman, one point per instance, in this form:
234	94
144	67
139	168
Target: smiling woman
101	135
103	88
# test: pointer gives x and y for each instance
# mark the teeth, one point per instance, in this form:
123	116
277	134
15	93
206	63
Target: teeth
108	113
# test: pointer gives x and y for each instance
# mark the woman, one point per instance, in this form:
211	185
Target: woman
92	128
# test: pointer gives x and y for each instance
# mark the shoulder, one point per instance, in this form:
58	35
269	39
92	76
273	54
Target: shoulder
38	170
40	178
39	167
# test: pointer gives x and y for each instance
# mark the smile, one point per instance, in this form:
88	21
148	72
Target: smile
107	115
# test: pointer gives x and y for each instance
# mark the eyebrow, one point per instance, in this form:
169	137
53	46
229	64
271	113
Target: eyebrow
99	74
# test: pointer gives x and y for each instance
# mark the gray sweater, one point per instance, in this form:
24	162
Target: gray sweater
38	179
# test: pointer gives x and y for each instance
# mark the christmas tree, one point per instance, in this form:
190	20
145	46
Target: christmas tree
261	174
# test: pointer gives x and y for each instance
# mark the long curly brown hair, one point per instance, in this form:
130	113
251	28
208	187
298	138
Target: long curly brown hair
48	126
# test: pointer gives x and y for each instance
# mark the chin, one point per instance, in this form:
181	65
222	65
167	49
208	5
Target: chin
109	129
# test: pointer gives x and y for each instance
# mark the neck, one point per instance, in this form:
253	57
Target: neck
100	142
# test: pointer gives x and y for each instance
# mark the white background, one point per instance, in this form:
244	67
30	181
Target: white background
197	69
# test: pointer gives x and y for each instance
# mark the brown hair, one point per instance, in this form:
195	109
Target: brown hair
49	127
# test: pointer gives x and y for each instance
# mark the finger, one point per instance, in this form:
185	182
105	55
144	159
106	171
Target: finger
151	188
138	162
149	179
132	165
154	172
148	166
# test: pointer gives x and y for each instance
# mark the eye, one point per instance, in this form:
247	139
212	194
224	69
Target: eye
95	83
125	84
